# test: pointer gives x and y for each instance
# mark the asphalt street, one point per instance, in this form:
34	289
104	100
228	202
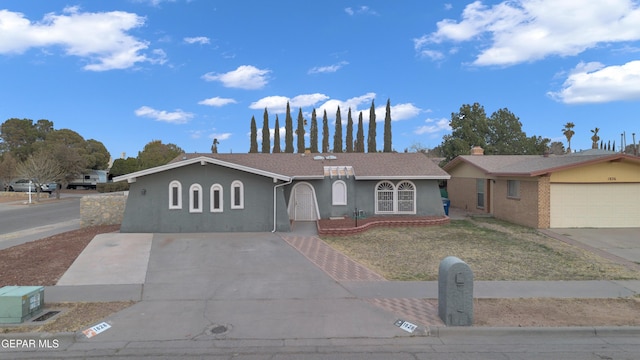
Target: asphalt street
21	222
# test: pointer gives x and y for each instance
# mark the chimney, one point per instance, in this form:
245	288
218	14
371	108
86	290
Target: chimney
477	150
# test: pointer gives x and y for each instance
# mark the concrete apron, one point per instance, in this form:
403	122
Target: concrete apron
254	285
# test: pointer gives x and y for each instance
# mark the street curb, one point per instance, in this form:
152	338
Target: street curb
439	331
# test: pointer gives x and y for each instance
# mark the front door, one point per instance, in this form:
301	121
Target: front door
304	204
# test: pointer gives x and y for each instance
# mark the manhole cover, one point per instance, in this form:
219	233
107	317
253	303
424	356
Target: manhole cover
218	329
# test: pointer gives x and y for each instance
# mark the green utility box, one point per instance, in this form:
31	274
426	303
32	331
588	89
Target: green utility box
19	303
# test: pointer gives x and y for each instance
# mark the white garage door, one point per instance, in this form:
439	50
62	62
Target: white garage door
595	205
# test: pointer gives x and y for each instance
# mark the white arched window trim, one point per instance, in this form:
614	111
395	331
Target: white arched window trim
392	199
220	207
385	198
175	195
195	198
339	193
406	197
237	195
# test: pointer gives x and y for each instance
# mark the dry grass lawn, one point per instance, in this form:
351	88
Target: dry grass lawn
494	250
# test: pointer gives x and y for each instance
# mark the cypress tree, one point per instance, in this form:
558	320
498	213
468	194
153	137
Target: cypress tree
266	136
288	128
337	135
387	128
360	135
254	136
349	138
313	136
276	137
300	132
371	137
325	133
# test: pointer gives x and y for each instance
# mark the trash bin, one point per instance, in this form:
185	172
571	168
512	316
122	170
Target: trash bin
446	203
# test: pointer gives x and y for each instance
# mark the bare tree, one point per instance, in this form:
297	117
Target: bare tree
41	168
7	169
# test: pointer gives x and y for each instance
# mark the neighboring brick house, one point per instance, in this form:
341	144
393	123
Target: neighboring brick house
585	189
265	192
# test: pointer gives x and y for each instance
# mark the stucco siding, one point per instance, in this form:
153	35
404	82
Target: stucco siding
148	210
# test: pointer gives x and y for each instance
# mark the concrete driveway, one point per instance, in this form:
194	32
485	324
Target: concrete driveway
621	242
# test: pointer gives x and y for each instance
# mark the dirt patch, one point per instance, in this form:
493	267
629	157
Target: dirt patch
74	317
557	312
43	262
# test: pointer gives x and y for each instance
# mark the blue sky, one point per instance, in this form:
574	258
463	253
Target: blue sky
126	72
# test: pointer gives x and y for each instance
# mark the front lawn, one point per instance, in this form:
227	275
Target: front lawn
494	250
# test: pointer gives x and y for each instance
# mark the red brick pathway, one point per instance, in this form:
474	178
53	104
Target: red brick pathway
342	268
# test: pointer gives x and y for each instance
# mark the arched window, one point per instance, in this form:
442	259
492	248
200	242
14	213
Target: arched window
237	195
385	199
175	195
195	198
216	198
406	197
339	193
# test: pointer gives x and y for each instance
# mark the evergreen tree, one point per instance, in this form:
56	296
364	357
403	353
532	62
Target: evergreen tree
387	128
214	146
360	135
325	133
349	139
288	129
266	136
371	138
337	135
276	137
300	132
254	136
313	136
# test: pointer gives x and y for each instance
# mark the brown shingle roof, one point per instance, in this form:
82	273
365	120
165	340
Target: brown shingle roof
532	165
365	165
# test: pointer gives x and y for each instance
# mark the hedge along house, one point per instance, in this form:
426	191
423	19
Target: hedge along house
265	192
587	189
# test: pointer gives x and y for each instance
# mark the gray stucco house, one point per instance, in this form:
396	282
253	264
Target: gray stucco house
265	192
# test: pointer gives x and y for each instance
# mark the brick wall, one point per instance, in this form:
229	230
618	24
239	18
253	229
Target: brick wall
523	210
102	209
462	193
544	202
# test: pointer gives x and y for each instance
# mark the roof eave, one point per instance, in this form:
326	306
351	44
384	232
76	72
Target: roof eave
395	177
202	160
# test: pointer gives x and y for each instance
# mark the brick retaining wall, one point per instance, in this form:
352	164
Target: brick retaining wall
382	223
102	209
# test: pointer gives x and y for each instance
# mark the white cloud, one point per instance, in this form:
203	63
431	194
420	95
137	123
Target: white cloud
176	117
331	106
278	104
398	112
327	69
217	101
246	77
595	83
197	40
361	10
528	30
433	126
76	33
220	136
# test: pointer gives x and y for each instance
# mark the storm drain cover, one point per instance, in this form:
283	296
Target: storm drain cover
218	329
46	316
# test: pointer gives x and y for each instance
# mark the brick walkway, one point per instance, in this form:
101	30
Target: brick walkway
342	268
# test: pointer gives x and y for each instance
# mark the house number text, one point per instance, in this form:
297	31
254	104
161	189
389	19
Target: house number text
611	179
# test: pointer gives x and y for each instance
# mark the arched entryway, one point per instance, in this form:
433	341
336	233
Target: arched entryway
302	204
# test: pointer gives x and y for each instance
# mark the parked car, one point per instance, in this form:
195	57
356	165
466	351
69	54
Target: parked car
25	185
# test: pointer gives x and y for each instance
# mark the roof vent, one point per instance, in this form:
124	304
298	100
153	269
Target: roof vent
331	157
318	157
